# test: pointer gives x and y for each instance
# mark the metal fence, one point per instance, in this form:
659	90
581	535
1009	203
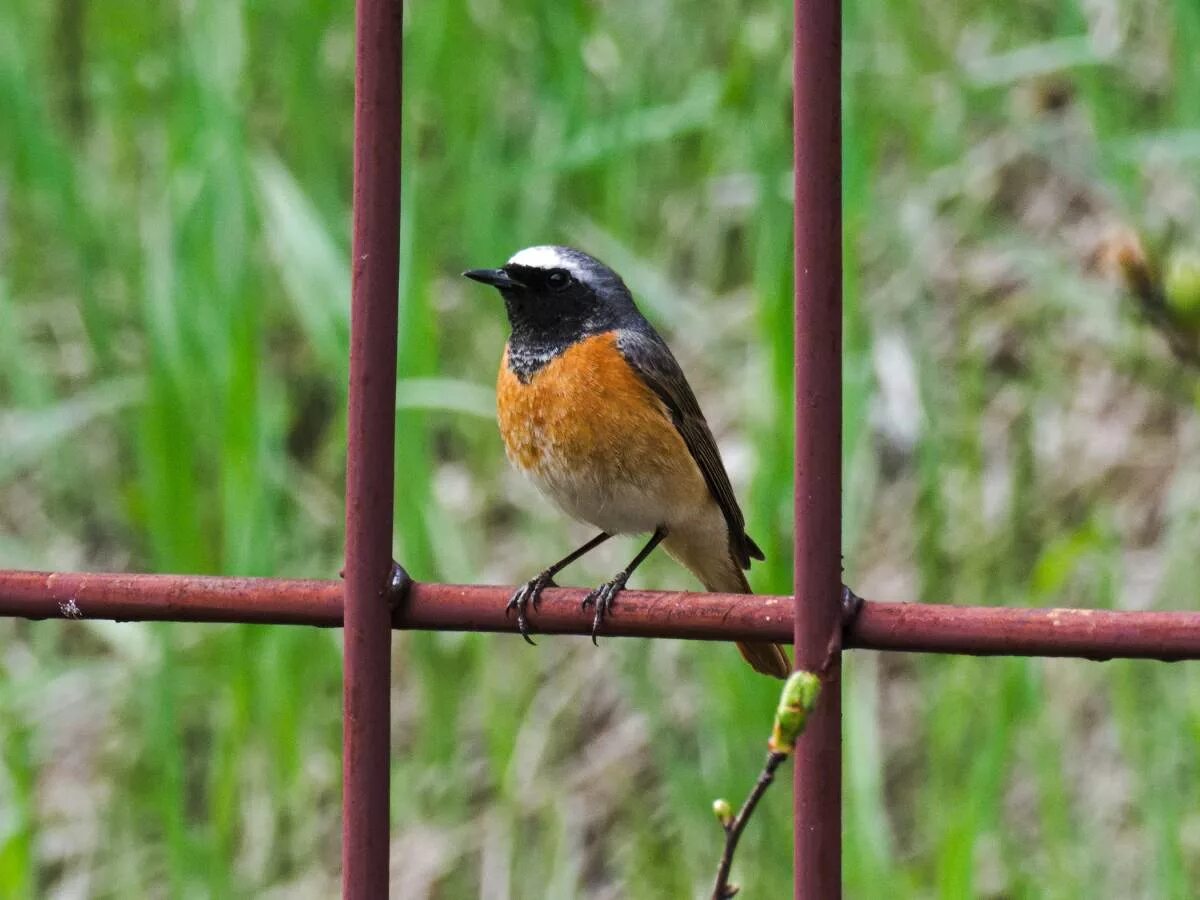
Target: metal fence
375	597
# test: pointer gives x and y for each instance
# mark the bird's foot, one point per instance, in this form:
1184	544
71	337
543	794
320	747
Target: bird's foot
529	594
602	598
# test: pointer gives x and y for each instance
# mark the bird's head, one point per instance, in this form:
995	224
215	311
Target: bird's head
558	295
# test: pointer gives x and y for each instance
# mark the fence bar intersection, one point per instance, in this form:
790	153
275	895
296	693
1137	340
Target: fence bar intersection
370	450
817	172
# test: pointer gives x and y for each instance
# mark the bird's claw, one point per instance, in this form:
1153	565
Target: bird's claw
603	598
528	594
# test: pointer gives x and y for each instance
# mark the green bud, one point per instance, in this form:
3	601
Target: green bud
723	811
795	703
1182	286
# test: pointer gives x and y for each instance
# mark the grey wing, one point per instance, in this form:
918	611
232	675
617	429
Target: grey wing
650	357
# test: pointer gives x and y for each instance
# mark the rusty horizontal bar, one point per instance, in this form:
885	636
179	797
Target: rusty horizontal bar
444	607
178	598
912	627
1097	634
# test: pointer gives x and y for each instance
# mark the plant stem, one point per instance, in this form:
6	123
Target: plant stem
733	831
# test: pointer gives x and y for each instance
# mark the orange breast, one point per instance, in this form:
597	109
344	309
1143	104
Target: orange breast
587	412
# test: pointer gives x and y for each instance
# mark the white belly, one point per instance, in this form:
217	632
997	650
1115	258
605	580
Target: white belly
632	505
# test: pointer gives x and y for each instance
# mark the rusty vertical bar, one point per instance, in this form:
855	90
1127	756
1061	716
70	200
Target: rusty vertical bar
818	222
371	440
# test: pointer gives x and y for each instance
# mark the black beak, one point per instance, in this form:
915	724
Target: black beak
497	278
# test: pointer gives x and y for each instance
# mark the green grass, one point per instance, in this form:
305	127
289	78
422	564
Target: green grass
174	190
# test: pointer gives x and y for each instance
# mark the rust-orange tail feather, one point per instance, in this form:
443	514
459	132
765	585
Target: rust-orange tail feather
767	658
723	575
763	656
720	573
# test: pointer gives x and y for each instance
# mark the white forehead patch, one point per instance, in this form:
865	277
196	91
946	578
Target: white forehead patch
545	257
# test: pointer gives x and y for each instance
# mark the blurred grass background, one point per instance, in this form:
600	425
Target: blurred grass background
174	189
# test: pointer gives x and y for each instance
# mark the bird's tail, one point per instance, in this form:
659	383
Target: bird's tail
723	575
763	656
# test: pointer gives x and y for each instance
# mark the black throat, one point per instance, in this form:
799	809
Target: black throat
549	316
530	350
543	332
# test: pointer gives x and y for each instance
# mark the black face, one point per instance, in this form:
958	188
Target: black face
554	307
544	281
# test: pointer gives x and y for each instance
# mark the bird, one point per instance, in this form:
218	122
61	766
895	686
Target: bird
594	408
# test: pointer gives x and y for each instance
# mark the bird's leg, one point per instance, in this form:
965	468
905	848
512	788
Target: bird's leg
531	591
604	595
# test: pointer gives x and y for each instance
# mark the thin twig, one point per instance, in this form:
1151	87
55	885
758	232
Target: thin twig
1153	303
792	701
1144	281
734	829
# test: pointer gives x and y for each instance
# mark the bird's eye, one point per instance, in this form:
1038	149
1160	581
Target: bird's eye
558	279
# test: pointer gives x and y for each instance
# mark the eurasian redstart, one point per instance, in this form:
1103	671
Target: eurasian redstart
596	411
